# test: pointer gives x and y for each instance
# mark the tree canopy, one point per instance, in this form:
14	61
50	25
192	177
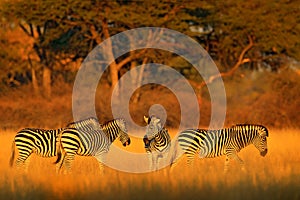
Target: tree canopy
251	34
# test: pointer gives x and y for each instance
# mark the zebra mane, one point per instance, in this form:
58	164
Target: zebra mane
162	130
116	121
247	125
83	123
109	121
116	128
43	130
252	125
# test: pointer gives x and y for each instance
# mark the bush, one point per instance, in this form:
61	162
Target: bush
269	99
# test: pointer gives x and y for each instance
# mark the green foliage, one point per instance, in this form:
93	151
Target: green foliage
274	27
70	30
12	66
263	97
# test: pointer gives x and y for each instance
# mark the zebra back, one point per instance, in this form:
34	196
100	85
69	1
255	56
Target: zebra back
212	143
259	129
88	124
43	142
227	141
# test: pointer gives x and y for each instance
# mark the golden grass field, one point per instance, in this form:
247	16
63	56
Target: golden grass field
276	176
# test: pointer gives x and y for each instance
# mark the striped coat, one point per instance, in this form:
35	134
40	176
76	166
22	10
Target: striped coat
228	142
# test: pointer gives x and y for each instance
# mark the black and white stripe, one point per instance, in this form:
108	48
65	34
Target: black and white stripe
42	142
32	140
228	142
157	142
90	139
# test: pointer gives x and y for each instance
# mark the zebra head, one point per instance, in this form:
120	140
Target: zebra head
123	136
260	142
153	128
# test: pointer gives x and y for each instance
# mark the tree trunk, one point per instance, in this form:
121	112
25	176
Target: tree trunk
133	74
47	82
34	81
114	69
35	85
137	96
241	60
114	75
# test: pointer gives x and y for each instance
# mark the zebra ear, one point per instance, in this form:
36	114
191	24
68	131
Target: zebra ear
263	131
147	119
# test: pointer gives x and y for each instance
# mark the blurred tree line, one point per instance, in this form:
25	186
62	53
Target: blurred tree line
41	40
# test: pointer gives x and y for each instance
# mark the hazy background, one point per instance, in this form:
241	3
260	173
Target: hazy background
255	45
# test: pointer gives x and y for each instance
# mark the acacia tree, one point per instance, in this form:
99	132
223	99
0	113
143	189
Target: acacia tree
252	34
13	62
70	30
127	15
106	18
270	28
41	22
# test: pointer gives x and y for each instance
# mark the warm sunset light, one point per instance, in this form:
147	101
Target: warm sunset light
146	100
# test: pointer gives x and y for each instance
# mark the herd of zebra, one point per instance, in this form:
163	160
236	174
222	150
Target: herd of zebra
90	138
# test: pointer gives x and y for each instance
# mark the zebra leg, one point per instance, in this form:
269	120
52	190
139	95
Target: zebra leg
226	164
165	162
159	161
67	162
101	160
27	161
240	161
235	157
230	153
22	162
150	158
101	167
155	161
190	159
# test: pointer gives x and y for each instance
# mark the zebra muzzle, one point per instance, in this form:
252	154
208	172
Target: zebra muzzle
127	143
146	142
263	153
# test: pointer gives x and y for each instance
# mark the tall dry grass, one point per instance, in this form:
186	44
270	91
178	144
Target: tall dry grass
276	176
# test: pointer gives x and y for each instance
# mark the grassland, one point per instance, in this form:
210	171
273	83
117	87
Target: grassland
276	176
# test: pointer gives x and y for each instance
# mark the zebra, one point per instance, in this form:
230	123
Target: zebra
228	142
33	140
42	142
94	140
157	142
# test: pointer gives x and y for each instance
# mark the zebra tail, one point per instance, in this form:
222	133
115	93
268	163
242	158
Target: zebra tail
12	157
58	150
58	157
